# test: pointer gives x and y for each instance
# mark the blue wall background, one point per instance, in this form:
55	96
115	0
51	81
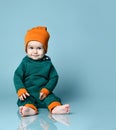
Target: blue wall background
82	44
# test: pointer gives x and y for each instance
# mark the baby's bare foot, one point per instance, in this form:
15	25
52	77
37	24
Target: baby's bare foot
26	111
20	110
63	109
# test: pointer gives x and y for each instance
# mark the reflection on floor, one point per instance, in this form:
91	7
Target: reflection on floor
43	121
86	114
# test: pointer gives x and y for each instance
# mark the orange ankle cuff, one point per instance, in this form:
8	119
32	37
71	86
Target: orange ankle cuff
52	105
31	106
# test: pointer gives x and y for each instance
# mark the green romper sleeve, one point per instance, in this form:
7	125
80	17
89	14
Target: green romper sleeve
52	81
18	77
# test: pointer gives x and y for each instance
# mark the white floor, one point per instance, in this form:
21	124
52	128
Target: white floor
86	114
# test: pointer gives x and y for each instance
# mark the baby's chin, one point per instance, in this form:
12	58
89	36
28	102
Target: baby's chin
36	58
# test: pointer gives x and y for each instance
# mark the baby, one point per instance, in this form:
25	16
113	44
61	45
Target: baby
36	77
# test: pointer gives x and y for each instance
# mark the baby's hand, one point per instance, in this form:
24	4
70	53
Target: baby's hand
42	96
24	96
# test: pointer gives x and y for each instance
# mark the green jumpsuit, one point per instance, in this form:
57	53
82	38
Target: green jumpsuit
33	75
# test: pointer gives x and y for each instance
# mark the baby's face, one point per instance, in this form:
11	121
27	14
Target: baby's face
35	50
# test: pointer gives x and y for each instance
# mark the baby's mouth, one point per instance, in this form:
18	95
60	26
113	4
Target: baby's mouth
35	55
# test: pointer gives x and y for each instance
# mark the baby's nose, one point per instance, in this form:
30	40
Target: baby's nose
35	50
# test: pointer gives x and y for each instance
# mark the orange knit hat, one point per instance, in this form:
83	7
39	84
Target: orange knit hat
37	34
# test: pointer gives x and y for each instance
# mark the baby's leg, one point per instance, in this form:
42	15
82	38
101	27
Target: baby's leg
27	111
55	106
62	109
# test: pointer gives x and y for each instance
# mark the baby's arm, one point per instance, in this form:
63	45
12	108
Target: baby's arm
49	87
18	82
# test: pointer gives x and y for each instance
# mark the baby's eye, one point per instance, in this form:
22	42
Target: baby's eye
39	48
31	47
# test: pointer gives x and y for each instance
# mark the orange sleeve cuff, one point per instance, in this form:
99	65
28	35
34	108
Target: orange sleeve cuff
44	90
21	91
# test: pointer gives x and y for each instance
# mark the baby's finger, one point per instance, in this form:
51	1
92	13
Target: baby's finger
21	97
44	96
40	97
24	96
27	94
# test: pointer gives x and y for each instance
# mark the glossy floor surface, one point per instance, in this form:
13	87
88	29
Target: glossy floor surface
86	114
